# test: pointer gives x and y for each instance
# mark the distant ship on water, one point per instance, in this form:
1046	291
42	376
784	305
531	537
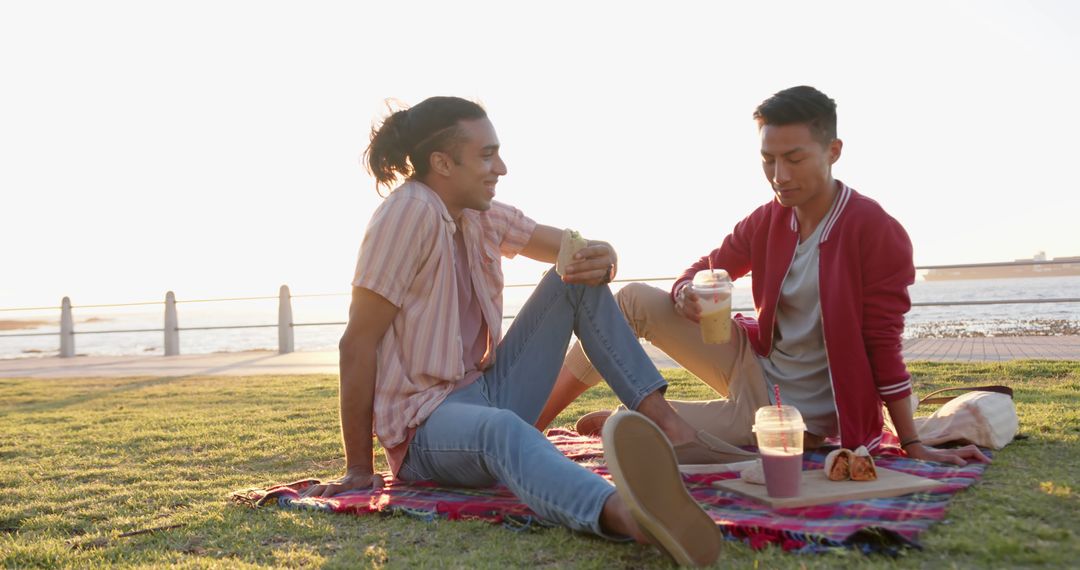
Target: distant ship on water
1037	266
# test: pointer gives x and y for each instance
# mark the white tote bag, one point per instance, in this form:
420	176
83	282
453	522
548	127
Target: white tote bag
985	416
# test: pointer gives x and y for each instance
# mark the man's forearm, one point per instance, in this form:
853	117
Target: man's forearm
357	367
903	419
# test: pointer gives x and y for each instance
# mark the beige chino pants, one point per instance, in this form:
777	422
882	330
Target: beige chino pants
731	369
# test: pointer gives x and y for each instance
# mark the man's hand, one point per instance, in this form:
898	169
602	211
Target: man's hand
901	411
958	456
352	480
686	303
593	265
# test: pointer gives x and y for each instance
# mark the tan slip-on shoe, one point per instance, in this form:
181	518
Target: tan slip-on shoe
642	464
592	422
709	449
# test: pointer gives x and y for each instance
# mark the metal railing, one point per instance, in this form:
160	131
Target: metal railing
286	326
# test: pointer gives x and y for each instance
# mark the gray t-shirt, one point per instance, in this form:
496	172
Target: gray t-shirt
798	363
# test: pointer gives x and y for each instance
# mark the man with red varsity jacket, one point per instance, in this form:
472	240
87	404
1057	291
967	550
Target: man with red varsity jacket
829	271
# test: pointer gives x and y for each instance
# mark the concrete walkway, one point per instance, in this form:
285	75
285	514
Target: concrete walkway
994	348
326	362
217	364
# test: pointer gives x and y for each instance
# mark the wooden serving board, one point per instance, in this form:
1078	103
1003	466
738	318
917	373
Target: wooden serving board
817	489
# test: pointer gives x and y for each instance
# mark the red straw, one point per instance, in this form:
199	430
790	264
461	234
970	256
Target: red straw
711	270
780	409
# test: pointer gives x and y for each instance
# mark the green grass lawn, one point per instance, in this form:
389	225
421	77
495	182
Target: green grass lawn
89	468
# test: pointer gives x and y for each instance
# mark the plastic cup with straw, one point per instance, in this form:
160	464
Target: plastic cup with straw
713	289
779	430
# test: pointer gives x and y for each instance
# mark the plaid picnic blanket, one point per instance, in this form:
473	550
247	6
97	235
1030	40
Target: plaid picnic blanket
869	525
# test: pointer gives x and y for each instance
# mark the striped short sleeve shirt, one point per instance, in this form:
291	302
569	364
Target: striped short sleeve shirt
407	257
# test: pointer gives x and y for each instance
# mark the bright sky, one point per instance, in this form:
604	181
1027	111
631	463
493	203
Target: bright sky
212	147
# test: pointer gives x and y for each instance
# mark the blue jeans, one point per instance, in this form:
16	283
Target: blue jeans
483	434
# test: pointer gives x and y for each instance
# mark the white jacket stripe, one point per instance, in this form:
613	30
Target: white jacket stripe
845	195
894	388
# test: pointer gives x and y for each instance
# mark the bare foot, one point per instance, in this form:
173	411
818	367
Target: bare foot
615	518
656	408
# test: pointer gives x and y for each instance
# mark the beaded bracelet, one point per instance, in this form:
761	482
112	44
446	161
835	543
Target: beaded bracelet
904	444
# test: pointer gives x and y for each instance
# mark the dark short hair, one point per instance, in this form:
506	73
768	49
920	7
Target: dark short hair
402	145
800	105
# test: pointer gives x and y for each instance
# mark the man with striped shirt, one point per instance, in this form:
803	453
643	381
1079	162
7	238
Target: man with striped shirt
423	361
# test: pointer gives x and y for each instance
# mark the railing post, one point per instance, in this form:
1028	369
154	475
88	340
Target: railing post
172	327
284	321
67	330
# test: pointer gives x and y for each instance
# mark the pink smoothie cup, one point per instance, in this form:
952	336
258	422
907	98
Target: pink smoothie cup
779	431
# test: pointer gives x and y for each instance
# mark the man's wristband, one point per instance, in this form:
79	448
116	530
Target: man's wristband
913	441
610	276
682	287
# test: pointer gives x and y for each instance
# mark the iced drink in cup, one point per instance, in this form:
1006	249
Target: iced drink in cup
779	431
713	289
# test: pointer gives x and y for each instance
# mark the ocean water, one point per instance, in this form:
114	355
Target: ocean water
91	325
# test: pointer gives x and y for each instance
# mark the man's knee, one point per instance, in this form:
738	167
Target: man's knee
637	301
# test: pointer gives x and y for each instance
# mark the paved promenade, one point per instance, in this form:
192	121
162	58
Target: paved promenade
994	348
326	362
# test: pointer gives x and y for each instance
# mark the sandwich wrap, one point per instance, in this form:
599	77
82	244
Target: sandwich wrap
754	474
572	242
838	465
845	465
862	466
